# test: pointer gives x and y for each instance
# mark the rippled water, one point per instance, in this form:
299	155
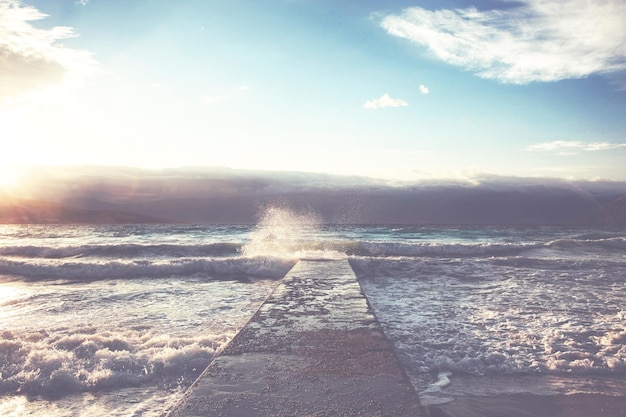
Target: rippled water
119	320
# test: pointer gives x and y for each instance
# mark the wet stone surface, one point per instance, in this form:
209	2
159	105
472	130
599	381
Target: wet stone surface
314	348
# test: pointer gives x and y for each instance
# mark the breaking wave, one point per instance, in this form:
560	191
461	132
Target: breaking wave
272	251
273	243
78	270
122	251
37	362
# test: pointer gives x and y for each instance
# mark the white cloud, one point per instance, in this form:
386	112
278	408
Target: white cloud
385	101
424	89
571	147
540	40
30	58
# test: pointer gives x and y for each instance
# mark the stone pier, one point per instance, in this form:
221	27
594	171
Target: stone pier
314	348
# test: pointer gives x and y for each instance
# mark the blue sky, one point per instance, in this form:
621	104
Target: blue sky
400	90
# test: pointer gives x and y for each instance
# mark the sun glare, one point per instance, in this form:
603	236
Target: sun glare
9	178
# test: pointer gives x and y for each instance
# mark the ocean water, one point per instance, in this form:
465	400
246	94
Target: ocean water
119	320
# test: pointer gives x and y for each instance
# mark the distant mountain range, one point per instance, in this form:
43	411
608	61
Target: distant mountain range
27	211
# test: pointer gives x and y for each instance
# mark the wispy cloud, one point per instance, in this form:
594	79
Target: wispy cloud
31	59
540	40
424	89
572	147
385	101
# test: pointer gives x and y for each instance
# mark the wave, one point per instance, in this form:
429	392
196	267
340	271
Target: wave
122	251
297	248
610	243
229	268
560	350
387	248
468	250
55	365
273	258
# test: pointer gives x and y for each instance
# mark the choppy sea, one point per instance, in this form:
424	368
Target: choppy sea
120	320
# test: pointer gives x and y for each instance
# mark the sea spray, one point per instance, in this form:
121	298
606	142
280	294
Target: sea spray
285	233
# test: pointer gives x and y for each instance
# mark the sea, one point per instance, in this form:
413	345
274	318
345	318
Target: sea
119	320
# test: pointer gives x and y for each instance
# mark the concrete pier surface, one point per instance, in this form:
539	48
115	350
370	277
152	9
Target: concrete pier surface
314	348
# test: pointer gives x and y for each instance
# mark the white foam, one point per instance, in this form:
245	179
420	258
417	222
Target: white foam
89	337
485	317
434	395
90	269
57	365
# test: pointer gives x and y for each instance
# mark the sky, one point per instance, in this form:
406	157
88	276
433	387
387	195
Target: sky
395	90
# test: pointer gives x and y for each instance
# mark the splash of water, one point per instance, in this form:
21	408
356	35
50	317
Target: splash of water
285	233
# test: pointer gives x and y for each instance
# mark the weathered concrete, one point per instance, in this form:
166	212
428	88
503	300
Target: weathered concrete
314	348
